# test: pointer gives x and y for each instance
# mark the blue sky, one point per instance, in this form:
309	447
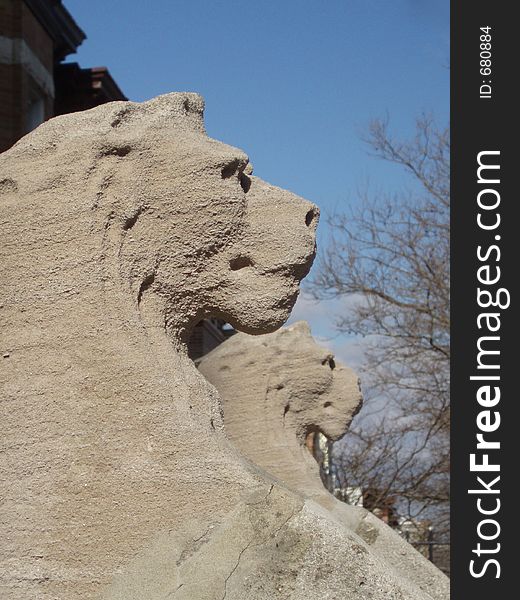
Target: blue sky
294	83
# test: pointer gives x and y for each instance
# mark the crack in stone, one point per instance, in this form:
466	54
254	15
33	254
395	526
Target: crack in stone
285	522
191	547
203	535
250	543
172	593
235	567
264	499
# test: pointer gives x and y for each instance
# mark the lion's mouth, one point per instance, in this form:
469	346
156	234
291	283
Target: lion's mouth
290	272
296	271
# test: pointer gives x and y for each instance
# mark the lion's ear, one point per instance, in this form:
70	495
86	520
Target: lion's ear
301	327
185	109
177	103
181	109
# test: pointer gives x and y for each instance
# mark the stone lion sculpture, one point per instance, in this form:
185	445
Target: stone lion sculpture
295	387
122	227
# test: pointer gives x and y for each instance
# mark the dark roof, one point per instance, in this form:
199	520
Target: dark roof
105	84
59	24
81	89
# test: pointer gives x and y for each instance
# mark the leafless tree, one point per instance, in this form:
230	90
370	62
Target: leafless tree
390	256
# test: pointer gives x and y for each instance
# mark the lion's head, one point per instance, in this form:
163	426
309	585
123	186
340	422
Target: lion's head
153	201
122	227
278	388
120	223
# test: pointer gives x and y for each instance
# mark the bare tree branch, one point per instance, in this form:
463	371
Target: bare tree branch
392	256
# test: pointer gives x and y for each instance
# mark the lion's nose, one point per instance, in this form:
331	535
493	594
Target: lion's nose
312	217
285	229
302	235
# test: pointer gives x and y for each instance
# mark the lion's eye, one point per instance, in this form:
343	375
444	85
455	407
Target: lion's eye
245	182
240	262
230	169
236	168
329	361
310	217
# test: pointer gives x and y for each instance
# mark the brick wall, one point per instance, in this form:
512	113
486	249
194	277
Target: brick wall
26	72
36	37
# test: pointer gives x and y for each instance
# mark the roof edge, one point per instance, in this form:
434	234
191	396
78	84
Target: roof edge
59	24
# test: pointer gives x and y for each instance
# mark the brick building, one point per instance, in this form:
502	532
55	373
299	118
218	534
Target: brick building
206	336
35	37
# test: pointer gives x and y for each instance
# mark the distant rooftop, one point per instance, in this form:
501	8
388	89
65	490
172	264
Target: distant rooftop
59	24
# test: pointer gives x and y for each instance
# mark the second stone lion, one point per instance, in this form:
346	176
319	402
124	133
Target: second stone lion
294	387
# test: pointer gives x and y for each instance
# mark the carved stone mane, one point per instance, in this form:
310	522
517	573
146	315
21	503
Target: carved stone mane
122	227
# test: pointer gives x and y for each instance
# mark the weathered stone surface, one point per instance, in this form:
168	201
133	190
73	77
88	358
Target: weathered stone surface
275	390
121	228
